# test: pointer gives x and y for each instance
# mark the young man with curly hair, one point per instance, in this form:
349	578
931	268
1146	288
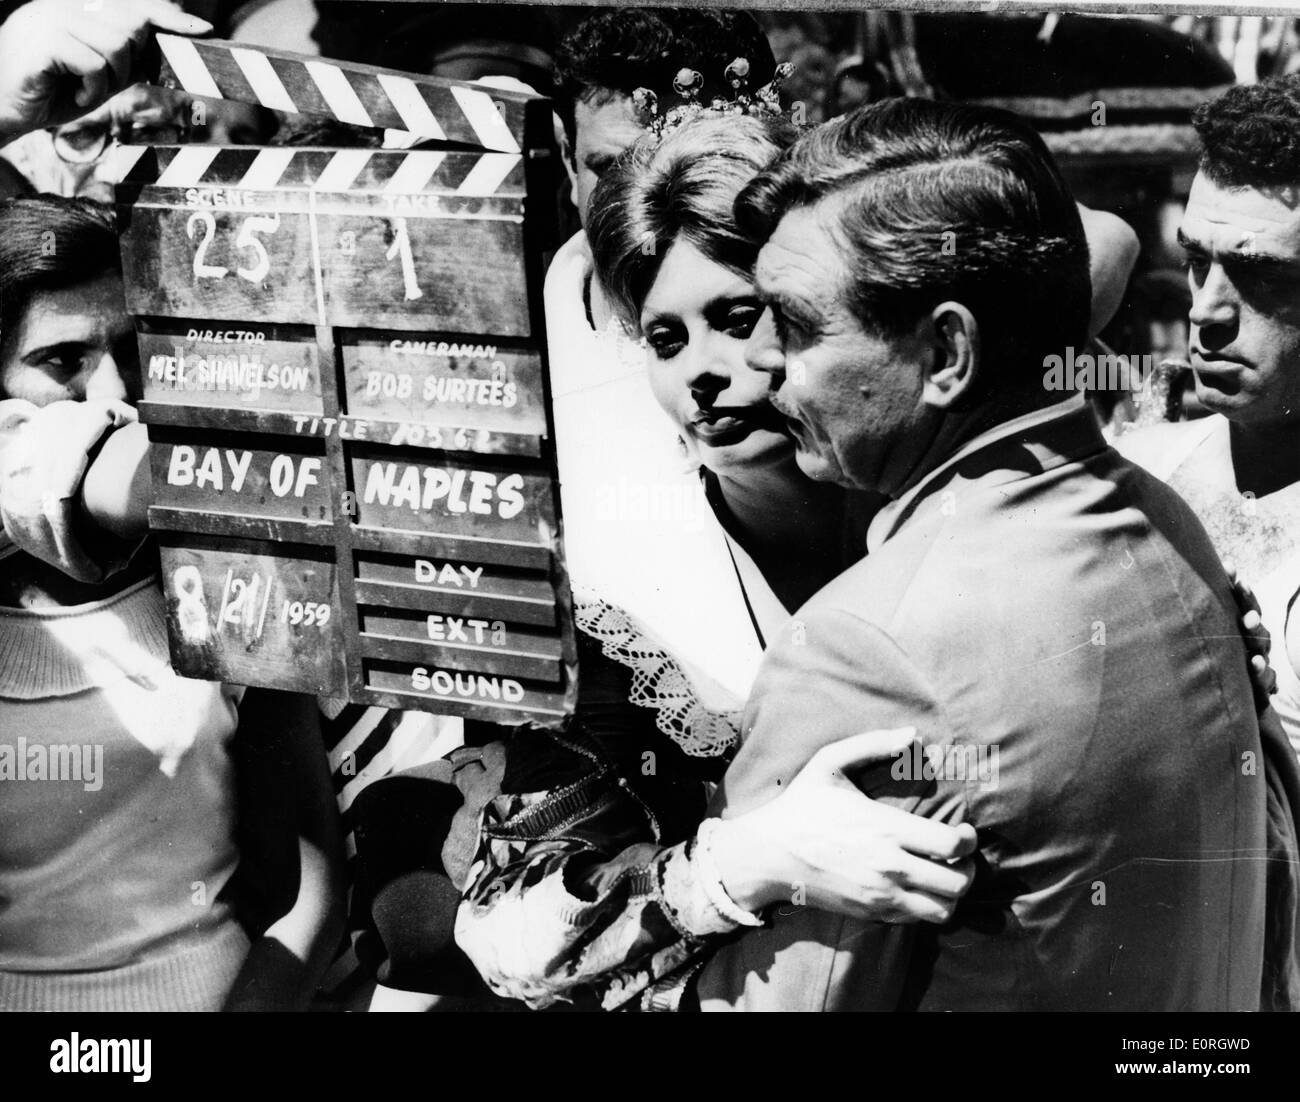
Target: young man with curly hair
1239	468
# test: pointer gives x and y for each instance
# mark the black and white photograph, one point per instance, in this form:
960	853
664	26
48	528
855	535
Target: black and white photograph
531	508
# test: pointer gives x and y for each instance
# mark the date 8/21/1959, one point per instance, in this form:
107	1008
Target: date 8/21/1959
254	619
246	601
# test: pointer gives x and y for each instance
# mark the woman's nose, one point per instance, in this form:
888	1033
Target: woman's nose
708	370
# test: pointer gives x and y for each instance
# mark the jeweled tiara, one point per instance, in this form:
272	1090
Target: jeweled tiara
688	83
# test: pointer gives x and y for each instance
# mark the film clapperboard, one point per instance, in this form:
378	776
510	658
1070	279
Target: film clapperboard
346	393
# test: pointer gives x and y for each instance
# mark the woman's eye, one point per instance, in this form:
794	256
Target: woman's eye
664	344
742	319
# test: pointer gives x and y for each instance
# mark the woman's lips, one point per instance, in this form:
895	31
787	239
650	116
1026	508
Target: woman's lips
718	428
723	430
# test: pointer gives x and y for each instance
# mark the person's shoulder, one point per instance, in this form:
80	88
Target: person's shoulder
1166	434
569	267
849	592
1162	448
860	608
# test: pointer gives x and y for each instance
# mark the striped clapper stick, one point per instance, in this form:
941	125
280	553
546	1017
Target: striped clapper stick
363	95
345	379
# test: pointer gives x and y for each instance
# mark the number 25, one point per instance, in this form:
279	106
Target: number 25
245	239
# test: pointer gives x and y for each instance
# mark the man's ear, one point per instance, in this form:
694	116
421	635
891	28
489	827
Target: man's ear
570	164
953	336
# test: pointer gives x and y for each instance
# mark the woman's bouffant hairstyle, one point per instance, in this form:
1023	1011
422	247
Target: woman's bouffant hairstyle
48	243
680	188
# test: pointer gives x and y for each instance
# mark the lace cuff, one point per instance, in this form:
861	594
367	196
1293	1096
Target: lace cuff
688	902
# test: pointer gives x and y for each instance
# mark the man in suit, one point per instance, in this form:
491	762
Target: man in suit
1051	619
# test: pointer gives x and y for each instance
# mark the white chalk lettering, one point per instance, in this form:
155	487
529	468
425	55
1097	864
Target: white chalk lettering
458	629
185	468
225	336
444	348
349	428
481	686
481	392
409	486
223	198
287	478
228	373
429	573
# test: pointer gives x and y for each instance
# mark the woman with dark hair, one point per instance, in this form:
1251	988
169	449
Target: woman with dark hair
119	874
689	540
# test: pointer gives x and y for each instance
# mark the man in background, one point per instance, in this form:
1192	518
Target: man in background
1239	468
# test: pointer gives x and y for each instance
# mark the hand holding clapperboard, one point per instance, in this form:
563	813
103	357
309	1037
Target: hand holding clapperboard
346	398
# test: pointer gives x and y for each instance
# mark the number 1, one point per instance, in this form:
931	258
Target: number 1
401	247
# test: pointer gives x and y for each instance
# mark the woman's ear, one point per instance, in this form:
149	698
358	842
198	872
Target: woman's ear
953	335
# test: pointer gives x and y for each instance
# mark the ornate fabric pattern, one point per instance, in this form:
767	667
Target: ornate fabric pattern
574	895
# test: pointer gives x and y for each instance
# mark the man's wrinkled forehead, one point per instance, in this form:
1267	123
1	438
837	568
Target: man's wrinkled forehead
801	256
1241	221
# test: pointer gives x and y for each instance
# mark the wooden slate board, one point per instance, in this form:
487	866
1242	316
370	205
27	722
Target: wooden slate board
346	389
